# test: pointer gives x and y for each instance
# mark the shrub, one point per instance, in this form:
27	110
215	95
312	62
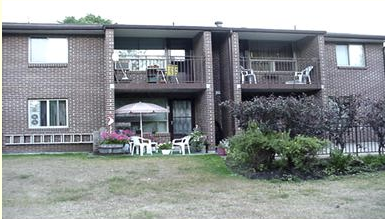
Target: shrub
374	115
198	140
297	115
338	162
300	152
374	162
253	149
340	114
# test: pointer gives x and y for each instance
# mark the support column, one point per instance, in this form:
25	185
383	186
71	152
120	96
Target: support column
236	74
109	76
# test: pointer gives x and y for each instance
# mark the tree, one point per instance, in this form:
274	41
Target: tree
297	115
340	115
88	19
374	115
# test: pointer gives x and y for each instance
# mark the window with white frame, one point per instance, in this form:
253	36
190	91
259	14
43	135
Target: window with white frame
48	50
351	55
47	113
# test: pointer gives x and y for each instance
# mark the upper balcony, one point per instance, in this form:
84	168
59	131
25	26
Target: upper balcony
280	75
159	73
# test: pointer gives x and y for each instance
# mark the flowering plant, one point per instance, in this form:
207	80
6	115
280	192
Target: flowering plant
116	137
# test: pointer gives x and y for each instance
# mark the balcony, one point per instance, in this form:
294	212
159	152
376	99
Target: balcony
159	74
279	75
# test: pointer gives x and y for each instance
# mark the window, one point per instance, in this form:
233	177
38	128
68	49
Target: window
47	113
350	55
48	50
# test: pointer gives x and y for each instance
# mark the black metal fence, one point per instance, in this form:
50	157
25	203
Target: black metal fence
359	139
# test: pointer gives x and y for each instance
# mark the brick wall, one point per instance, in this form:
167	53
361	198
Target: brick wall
308	47
368	81
48	148
204	105
80	82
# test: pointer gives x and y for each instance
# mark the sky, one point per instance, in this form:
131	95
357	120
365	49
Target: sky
337	16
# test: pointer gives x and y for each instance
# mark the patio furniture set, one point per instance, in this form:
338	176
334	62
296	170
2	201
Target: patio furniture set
141	146
300	77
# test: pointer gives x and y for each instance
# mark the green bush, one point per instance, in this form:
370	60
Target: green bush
374	162
198	140
253	149
300	152
339	163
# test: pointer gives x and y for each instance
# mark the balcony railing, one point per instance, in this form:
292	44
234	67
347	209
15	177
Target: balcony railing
160	69
280	71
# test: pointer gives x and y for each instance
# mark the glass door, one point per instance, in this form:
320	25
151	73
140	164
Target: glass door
181	118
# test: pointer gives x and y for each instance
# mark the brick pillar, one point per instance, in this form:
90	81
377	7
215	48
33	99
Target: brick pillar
109	75
236	74
209	116
321	50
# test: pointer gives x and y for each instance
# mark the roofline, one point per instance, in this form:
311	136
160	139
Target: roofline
11	27
50	26
213	29
354	36
94	29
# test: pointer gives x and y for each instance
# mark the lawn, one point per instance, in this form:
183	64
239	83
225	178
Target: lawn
87	186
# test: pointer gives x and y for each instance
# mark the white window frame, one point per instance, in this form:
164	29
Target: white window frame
48	114
51	51
349	56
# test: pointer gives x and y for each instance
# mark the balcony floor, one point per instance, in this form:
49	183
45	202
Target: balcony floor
159	87
282	88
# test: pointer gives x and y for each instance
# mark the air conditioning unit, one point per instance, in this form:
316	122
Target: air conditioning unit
35	119
34	114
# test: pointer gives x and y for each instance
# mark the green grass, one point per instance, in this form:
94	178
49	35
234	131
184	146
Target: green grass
89	186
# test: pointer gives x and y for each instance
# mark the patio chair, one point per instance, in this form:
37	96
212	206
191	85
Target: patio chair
181	143
248	74
172	72
140	143
302	77
120	66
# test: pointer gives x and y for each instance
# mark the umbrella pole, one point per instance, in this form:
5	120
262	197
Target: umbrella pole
141	126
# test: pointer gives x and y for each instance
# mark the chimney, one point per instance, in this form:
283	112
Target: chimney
218	23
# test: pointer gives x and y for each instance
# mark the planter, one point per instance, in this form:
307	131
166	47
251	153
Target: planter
110	148
221	151
166	152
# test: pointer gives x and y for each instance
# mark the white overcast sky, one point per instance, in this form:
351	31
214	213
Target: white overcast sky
342	16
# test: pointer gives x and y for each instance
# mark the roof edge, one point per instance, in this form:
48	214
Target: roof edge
354	36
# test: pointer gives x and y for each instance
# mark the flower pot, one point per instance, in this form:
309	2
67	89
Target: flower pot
110	148
166	152
221	151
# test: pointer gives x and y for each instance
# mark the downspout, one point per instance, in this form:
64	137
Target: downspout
383	54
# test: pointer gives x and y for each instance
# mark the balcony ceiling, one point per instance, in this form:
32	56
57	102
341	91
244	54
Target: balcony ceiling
156	33
272	36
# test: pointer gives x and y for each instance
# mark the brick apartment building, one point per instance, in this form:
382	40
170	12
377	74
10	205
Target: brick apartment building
60	82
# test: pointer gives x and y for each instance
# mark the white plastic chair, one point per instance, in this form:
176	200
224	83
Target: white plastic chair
248	73
302	77
181	144
139	143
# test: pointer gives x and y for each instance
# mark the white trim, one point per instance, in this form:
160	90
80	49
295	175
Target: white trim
46	62
73	138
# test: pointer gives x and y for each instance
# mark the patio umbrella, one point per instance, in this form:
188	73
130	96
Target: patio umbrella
141	108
